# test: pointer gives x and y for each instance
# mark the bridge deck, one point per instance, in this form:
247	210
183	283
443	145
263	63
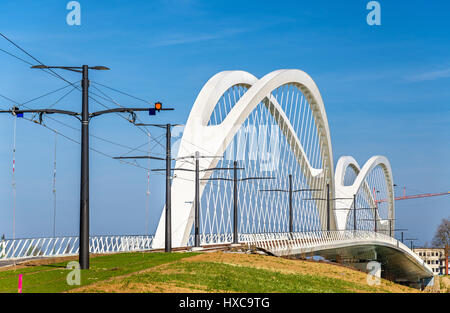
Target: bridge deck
350	246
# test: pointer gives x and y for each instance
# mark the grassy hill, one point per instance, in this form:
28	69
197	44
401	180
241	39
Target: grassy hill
192	272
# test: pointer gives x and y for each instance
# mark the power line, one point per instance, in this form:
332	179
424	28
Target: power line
31	56
76	141
15	56
53	73
48	93
122	92
59	99
118	104
29	63
112	100
9	99
65	124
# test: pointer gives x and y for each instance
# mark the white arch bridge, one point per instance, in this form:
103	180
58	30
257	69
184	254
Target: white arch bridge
276	128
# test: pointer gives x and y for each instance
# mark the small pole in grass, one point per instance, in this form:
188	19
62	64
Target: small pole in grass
19	287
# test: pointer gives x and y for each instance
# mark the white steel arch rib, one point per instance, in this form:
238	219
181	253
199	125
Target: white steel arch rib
342	191
341	168
214	139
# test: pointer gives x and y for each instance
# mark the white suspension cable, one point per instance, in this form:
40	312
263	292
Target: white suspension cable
54	185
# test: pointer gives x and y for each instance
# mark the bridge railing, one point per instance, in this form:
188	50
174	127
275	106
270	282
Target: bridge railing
303	239
285	243
25	248
212	239
298	243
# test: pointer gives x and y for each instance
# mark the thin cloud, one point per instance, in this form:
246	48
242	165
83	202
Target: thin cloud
431	75
180	39
184	38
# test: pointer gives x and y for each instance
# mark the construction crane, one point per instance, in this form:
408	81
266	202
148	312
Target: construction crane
422	195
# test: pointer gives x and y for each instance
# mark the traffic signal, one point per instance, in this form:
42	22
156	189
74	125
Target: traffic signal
157	107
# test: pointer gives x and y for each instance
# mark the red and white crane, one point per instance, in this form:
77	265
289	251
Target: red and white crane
422	195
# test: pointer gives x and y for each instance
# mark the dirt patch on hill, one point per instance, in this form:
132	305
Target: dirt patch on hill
118	283
132	287
45	261
38	262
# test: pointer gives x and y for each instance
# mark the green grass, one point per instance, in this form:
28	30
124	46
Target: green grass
52	278
198	275
217	277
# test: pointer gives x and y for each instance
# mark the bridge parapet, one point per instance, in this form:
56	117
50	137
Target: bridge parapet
304	242
296	243
26	248
339	243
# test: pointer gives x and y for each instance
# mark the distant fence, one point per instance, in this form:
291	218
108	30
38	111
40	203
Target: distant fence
12	249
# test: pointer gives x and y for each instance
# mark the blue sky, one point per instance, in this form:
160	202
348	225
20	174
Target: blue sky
385	88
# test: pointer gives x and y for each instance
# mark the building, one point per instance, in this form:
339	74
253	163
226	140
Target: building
434	257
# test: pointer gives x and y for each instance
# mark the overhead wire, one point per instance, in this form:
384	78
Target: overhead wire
53	73
76	141
65	124
46	94
122	92
119	105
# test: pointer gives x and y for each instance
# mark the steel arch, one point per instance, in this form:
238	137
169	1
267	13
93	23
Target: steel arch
348	191
214	139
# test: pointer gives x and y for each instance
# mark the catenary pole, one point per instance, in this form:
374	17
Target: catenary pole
197	200
291	224
168	234
84	197
235	204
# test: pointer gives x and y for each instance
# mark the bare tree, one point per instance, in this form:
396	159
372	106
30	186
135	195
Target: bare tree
442	237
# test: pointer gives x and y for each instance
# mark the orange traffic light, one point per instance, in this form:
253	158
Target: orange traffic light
158	106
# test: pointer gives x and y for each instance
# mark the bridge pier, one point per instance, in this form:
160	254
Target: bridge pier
384	271
428	282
